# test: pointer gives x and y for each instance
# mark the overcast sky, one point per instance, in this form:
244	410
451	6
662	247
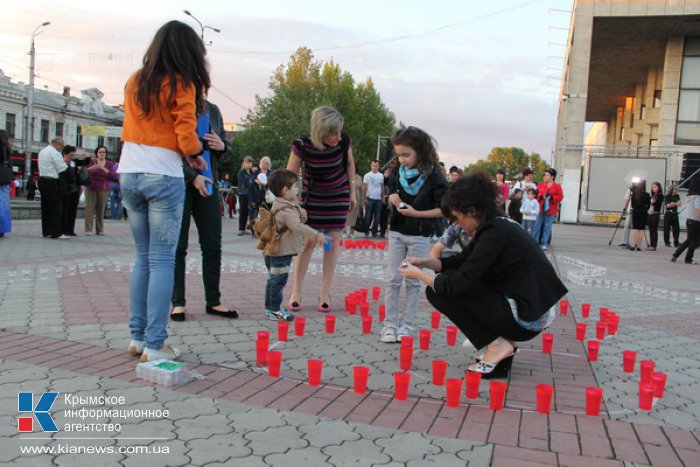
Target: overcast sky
473	74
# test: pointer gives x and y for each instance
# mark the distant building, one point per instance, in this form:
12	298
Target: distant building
632	75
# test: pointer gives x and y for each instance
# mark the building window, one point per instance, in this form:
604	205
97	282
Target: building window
59	129
44	131
688	121
10	124
657	98
79	137
643	112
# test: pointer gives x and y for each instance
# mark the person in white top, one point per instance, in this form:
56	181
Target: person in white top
50	166
530	209
374	182
526	183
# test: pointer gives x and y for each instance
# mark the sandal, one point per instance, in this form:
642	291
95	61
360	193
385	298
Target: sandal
493	370
324	307
294	306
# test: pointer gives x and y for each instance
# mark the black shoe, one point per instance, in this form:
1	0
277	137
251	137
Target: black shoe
624	245
241	233
177	316
493	371
668	245
233	314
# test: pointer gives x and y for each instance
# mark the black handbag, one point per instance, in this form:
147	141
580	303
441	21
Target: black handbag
5	167
83	176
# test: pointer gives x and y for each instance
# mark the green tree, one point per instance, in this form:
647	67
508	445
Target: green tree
296	89
512	160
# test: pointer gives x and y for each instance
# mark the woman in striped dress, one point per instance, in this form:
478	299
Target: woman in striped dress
328	170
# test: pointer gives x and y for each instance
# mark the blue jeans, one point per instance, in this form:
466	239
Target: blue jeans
277	275
373	210
155	205
544	223
115	202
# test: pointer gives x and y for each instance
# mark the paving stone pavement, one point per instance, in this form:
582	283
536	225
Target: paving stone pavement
64	306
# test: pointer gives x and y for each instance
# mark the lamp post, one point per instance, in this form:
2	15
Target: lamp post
201	26
29	126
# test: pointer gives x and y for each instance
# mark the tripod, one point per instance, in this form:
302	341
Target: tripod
617	226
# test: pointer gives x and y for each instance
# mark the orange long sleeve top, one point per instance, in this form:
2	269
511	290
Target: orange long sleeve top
171	127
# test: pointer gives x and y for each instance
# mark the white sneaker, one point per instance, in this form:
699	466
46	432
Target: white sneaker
164	353
388	335
63	237
135	348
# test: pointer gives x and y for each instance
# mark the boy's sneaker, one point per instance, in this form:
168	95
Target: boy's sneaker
279	315
135	348
388	335
164	353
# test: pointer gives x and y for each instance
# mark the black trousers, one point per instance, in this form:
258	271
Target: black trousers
653	221
51	207
481	314
243	212
70	211
207	218
691	242
671	222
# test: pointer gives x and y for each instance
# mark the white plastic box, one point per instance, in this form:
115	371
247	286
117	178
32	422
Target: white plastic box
165	372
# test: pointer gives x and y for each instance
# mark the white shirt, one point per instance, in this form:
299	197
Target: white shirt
51	162
524	186
140	158
531	205
374	182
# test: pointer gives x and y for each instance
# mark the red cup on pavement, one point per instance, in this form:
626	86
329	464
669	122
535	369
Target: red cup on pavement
473	381
315	368
629	357
603	313
282	330
261	347
594	396
585	310
564	307
274	361
497	395
375	293
264	336
367	324
439	370
363	293
451	335
613	323
547	342
544	397
601	329
330	324
581	331
405	358
435	319
352	305
646	395
401	381
349	299
382	313
659	381
360	375
593	348
646	368
299	325
364	309
424	339
453	387
407	341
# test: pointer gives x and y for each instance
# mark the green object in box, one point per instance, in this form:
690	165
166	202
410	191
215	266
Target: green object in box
170	365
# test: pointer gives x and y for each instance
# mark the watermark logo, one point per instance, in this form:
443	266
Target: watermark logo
25	404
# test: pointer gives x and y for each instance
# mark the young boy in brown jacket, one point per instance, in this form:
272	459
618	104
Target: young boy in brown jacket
289	219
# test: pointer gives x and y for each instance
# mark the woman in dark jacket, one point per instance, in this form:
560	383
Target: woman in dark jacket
245	180
657	201
640	202
500	289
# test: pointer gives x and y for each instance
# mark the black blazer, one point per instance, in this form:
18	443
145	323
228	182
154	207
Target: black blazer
502	256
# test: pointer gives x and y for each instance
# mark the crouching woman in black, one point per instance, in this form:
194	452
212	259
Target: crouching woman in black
501	289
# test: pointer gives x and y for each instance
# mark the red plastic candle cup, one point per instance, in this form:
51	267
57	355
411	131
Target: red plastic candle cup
594	396
406	358
439	370
274	361
593	348
366	324
401	381
564	307
603	313
407	341
364	309
360	375
264	336
585	310
330	324
659	381
646	368
497	394
601	328
646	395
299	325
547	342
613	324
349	299
375	293
282	330
352	309
473	381
451	335
581	331
363	293
435	319
382	313
424	339
629	357
315	368
544	397
261	347
453	387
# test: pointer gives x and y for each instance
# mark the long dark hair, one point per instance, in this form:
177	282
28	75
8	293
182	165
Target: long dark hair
639	188
176	52
419	141
659	192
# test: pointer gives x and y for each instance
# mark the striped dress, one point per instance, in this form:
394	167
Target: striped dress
326	190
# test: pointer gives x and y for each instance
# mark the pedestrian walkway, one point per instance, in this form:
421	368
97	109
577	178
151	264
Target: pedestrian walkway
64	306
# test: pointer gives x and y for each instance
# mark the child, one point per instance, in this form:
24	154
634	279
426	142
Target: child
514	206
289	218
415	188
530	210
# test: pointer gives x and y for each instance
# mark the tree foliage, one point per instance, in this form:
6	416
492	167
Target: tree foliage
512	160
296	89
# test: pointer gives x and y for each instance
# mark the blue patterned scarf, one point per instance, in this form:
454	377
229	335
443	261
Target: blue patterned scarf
407	174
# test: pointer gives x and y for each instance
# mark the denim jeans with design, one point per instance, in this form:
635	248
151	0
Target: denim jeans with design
277	275
155	214
543	228
373	215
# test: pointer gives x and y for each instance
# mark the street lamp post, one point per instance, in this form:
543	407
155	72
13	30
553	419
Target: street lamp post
201	26
29	126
